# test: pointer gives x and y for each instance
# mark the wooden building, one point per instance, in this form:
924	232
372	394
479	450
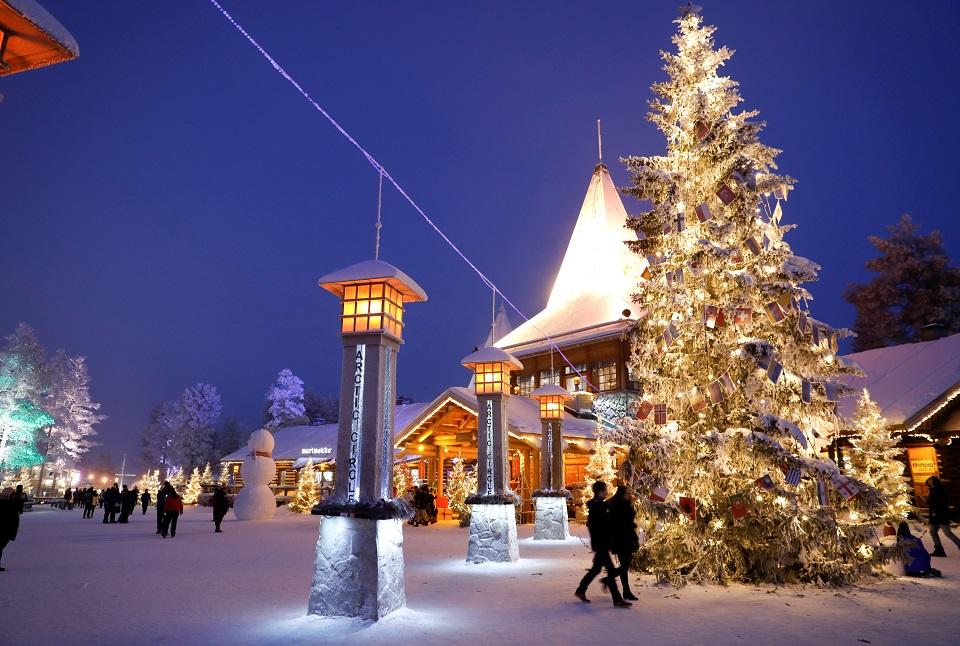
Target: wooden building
916	386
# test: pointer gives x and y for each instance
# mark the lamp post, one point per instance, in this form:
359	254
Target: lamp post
493	523
550	521
359	561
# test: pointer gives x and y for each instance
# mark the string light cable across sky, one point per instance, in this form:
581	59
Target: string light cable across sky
383	173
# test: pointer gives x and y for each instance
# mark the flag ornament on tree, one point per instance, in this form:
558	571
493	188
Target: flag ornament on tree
752	372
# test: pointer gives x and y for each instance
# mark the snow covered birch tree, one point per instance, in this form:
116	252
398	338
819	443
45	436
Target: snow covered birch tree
286	400
738	377
197	410
156	443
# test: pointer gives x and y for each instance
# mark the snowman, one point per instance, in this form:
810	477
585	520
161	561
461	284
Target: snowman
256	501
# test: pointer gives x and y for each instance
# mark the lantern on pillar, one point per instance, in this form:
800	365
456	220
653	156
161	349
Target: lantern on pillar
550	520
493	525
362	525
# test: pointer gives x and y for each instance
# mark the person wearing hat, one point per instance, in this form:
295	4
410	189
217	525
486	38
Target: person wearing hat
9	518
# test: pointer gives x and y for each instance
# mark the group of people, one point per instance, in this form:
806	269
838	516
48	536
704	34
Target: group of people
613	532
424	505
917	560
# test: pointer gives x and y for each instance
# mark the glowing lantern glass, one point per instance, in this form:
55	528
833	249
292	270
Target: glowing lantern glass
551	398
491	370
372	307
372	295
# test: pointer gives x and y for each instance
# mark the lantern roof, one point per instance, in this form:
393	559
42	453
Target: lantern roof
491	354
593	287
370	271
34	37
551	390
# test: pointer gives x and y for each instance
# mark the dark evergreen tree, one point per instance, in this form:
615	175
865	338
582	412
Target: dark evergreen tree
914	286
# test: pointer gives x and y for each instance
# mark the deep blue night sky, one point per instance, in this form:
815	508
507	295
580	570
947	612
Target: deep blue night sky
169	201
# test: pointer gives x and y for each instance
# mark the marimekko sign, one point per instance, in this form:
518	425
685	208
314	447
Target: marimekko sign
356	425
489	447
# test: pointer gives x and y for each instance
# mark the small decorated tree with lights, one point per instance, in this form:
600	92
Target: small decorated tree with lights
206	478
462	484
599	467
150	482
401	479
176	480
308	491
224	478
874	458
740	381
194	488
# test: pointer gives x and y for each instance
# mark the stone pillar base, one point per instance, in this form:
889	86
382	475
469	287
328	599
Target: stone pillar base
358	570
493	534
550	522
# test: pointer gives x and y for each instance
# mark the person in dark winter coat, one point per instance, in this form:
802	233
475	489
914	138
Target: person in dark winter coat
9	518
111	503
125	506
220	507
161	498
598	523
172	508
145	501
939	515
68	498
624	541
89	503
917	562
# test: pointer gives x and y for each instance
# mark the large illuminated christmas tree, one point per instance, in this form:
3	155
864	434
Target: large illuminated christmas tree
740	385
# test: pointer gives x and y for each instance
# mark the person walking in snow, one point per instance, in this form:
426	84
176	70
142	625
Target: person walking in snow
598	524
145	501
172	508
938	503
161	498
624	541
9	518
220	506
19	498
68	498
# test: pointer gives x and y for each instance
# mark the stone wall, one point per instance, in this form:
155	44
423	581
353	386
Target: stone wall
493	534
551	518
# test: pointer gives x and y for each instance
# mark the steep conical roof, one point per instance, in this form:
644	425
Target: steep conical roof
598	272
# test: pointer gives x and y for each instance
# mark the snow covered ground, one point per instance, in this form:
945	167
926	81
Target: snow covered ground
76	580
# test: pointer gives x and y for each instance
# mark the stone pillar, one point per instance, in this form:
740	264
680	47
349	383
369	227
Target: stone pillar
358	568
550	515
365	437
493	476
551	518
551	455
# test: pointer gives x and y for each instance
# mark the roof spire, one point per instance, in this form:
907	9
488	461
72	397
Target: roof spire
599	143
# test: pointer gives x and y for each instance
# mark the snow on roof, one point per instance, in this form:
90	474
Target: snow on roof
523	415
551	390
906	379
291	441
371	270
491	354
597	275
31	50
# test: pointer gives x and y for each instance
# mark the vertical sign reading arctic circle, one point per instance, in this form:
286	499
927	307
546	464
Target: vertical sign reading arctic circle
356	424
489	430
549	482
386	470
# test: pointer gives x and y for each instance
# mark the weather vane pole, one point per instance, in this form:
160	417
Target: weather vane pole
376	251
599	142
